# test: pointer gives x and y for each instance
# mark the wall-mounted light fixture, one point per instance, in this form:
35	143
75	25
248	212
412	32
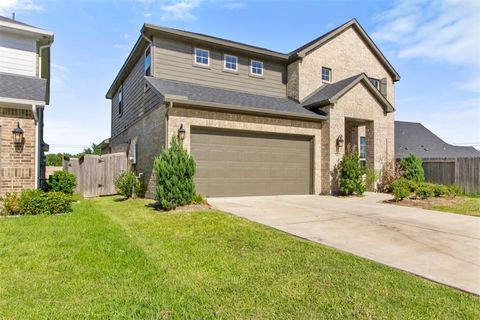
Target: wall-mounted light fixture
181	132
17	135
340	141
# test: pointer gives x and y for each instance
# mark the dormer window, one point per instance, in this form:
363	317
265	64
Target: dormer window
256	68
326	74
120	100
202	57
375	82
230	62
148	62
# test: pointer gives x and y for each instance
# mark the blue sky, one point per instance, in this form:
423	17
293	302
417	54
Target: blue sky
434	45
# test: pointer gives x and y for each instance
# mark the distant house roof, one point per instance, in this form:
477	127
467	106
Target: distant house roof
413	137
191	94
330	93
22	89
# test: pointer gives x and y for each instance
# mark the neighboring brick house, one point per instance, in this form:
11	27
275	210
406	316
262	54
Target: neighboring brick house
258	122
24	92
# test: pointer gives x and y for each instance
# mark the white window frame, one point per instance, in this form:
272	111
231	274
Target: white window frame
360	148
225	62
330	74
251	68
378	82
200	63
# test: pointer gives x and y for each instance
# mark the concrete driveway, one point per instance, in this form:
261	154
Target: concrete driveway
439	246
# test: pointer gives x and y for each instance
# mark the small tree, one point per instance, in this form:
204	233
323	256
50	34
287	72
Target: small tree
62	181
350	174
391	171
412	168
174	169
127	184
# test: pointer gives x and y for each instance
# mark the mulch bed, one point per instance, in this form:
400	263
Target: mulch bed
426	203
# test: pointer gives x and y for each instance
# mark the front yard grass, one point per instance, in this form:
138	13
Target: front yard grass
112	259
467	205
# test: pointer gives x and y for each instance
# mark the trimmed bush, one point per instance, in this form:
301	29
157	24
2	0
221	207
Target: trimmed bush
424	190
371	178
127	184
174	169
350	175
412	168
34	202
440	190
10	204
453	191
401	188
198	199
62	181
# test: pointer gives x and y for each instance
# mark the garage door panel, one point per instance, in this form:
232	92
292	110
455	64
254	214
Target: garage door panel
237	163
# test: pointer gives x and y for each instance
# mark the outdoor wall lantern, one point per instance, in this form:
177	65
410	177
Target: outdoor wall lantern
181	132
340	141
17	135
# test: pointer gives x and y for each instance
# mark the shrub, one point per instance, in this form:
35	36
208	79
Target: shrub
391	171
350	174
198	199
10	204
174	169
440	190
62	181
371	177
127	184
412	168
401	188
424	190
453	190
33	202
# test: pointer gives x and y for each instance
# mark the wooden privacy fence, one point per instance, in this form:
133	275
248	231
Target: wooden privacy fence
95	174
464	172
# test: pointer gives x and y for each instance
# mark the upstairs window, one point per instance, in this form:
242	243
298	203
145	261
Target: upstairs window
256	68
202	57
148	62
326	74
230	62
120	100
362	150
375	82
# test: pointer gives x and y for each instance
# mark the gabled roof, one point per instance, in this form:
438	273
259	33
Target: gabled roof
197	95
330	93
305	49
20	26
413	137
22	89
149	29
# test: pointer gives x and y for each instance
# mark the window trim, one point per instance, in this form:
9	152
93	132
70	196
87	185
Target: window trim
145	60
225	55
120	101
377	80
360	148
330	74
251	68
195	57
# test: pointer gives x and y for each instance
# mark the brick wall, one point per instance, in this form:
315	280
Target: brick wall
17	164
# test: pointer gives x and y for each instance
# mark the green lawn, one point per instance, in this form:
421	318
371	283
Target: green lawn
120	259
469	205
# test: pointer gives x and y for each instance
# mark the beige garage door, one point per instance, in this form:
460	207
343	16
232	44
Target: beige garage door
239	163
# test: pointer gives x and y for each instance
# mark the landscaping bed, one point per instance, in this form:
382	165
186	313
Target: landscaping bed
111	259
468	205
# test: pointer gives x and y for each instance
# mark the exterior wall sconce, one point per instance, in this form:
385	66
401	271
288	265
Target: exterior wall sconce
340	141
17	135
181	132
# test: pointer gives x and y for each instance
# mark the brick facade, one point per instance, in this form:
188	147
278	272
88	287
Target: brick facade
17	164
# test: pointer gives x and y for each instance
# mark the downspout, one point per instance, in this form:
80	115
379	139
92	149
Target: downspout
169	107
37	145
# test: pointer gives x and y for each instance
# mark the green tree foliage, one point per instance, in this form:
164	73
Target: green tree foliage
350	174
412	168
127	184
54	159
174	169
62	181
401	188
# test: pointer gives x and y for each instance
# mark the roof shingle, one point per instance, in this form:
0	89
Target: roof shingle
22	87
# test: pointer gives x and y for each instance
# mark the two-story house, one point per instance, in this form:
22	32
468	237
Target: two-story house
24	92
258	122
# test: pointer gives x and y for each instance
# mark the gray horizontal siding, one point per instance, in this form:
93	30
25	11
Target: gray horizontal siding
136	102
173	60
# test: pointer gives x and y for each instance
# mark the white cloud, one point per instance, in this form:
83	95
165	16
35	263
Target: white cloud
179	10
445	31
7	7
